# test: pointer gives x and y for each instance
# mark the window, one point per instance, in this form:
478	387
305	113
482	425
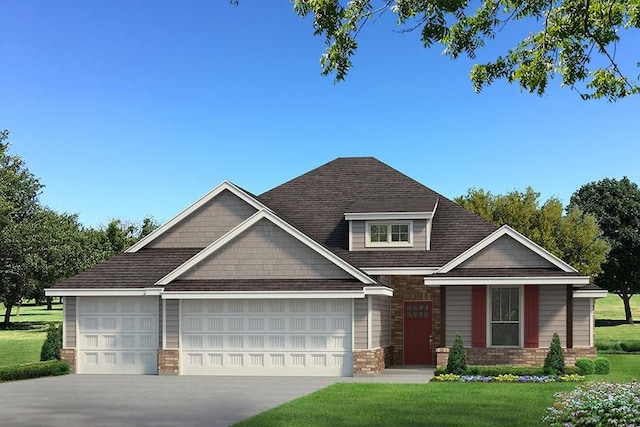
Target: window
389	234
505	316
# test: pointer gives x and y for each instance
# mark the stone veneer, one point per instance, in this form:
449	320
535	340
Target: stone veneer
372	361
410	288
168	362
68	356
514	356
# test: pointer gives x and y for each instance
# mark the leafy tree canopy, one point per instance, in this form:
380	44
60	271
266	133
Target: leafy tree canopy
616	206
575	39
574	237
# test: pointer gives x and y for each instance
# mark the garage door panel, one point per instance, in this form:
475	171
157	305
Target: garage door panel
266	337
118	335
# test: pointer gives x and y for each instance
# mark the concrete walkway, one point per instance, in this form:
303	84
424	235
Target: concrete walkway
139	400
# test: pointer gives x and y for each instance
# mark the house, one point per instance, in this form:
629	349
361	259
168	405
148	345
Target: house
344	270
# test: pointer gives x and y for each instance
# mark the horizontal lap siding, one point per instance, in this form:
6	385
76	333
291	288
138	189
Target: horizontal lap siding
207	224
358	235
553	314
381	321
458	314
506	253
360	320
173	323
582	322
70	321
265	251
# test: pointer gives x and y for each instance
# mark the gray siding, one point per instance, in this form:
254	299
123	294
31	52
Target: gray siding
268	252
207	224
553	314
582	322
70	322
160	322
458	314
380	321
358	235
360	321
506	253
173	323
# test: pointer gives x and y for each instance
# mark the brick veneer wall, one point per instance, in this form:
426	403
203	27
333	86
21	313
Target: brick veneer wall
168	362
514	356
372	361
410	288
68	356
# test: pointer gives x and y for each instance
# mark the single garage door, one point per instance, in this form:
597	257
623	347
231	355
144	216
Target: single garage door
118	335
298	337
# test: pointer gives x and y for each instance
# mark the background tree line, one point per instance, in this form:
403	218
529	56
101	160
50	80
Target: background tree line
40	247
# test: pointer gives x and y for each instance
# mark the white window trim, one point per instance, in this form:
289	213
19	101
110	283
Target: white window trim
367	238
520	317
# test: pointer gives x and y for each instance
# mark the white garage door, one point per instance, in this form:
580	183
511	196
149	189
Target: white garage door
117	335
266	337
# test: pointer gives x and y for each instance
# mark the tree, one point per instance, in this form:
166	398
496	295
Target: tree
616	206
574	237
554	362
457	363
575	39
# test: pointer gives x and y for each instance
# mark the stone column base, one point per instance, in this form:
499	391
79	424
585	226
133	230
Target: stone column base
68	356
372	361
514	356
168	362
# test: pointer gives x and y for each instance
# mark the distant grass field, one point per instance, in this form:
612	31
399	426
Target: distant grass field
22	343
610	322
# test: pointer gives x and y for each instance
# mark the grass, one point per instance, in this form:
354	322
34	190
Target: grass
610	323
22	342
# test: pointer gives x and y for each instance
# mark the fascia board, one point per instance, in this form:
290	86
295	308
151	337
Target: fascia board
496	281
508	231
371	216
103	292
590	293
401	271
378	290
225	185
266	214
262	295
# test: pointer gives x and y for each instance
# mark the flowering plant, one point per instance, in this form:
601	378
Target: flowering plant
508	378
447	377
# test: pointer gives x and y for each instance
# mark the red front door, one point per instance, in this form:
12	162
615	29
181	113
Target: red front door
417	333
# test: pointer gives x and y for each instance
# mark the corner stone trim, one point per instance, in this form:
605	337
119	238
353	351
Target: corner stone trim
372	361
514	356
68	356
168	362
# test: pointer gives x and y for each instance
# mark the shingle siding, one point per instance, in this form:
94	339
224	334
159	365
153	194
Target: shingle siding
506	253
553	314
70	321
582	322
207	224
265	251
358	232
458	314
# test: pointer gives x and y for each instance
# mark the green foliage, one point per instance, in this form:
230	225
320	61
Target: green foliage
554	362
574	237
457	363
34	370
52	344
618	346
596	404
572	39
586	366
494	371
616	206
601	365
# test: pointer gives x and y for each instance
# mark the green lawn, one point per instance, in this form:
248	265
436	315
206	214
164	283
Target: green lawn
610	324
23	341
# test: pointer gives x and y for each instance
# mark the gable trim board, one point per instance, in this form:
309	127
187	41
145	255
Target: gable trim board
245	225
505	230
225	185
103	292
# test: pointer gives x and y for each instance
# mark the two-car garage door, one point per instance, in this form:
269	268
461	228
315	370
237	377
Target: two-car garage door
297	337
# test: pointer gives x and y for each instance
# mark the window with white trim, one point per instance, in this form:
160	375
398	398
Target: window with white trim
389	233
505	316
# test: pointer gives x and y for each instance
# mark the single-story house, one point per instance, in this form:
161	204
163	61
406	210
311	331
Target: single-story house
347	269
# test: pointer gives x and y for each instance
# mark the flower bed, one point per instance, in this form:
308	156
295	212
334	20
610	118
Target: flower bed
508	378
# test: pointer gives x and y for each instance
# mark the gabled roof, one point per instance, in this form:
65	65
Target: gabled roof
317	201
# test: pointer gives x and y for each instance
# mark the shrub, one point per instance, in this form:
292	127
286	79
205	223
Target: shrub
494	371
52	344
440	371
570	370
554	362
601	365
630	346
457	363
33	370
598	404
586	366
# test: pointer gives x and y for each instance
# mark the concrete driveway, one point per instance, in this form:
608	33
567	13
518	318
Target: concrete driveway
146	400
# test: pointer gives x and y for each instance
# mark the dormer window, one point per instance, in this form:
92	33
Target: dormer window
389	233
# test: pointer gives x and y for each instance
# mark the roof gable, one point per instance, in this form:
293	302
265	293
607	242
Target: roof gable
264	243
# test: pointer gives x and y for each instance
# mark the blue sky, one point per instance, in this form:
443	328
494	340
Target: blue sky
126	109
